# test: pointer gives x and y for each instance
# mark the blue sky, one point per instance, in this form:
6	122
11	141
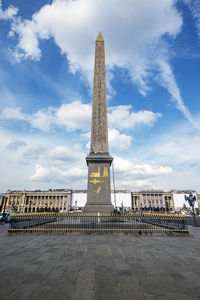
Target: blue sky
46	77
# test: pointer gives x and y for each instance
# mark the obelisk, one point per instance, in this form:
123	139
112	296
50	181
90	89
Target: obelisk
99	160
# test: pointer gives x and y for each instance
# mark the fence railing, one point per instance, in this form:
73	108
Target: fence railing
104	223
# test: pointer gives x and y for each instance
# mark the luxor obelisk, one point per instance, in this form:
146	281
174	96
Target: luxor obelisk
99	160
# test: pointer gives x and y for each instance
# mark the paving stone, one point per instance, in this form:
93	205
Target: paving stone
22	292
108	296
192	291
31	277
122	266
174	296
106	283
86	283
128	282
104	269
46	292
87	272
152	289
99	267
83	295
131	294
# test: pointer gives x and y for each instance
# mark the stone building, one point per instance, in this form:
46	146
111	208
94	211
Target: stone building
38	201
2	199
63	200
156	200
57	200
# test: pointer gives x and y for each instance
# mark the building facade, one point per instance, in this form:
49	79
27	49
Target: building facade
2	199
148	200
63	200
37	201
57	200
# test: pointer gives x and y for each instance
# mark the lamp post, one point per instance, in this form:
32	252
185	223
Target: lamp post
191	200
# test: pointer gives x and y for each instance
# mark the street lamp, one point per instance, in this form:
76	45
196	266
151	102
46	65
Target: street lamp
191	200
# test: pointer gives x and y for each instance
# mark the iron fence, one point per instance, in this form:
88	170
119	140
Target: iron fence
103	223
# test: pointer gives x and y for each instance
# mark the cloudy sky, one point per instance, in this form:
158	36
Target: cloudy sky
153	92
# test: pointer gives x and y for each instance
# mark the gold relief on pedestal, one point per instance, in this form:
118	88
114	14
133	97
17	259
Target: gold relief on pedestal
102	181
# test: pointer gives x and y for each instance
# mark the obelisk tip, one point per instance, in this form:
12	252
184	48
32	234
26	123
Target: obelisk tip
100	38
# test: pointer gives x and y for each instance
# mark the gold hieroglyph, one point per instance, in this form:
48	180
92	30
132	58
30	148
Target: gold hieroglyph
95	181
105	172
96	174
102	180
98	190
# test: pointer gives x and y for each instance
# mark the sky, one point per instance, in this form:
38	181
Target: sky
153	92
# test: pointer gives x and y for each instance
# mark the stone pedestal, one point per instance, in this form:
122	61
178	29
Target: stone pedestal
99	193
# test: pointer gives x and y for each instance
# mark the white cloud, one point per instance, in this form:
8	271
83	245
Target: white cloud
180	147
122	165
77	115
54	174
134	24
171	161
166	79
41	173
177	149
148	169
137	184
33	153
9	13
74	115
133	175
126	173
122	117
132	169
135	41
194	7
43	119
16	144
64	153
13	114
118	141
18	166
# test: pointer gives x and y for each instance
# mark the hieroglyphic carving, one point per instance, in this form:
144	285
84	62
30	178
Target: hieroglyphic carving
99	179
99	133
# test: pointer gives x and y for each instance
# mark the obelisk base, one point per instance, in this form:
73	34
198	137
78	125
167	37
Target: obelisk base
95	208
98	193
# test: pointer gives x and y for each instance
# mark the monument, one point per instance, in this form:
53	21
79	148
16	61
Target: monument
99	160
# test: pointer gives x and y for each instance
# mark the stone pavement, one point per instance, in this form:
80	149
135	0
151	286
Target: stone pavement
84	267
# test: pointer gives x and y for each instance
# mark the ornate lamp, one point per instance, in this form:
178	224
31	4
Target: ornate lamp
191	200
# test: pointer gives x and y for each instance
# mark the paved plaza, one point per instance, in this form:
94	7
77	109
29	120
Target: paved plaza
84	267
